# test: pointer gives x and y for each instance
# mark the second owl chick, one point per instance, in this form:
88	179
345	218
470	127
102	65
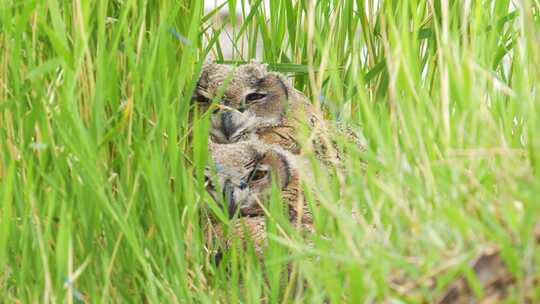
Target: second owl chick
244	172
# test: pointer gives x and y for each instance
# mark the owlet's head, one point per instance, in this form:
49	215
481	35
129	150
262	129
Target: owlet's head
247	97
243	175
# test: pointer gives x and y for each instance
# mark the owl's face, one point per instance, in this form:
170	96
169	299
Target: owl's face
248	97
243	175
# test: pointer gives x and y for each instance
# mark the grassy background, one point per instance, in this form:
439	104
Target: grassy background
98	200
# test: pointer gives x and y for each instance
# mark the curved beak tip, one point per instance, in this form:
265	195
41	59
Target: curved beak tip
229	198
231	207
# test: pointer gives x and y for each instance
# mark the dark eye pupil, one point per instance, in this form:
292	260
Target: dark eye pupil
202	99
259	174
255	96
208	183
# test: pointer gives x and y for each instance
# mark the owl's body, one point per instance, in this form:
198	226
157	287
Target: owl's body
248	230
255	103
244	173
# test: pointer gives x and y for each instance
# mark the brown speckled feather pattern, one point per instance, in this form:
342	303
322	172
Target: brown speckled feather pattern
281	136
252	230
246	229
299	213
285	134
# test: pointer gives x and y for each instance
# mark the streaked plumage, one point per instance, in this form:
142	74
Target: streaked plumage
242	183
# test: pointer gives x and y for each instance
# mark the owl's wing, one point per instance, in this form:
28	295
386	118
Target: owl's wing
349	134
281	136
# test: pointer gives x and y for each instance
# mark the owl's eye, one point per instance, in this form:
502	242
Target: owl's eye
203	100
254	97
208	183
258	174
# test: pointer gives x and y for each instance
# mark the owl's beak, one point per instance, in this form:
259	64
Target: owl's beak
228	194
228	126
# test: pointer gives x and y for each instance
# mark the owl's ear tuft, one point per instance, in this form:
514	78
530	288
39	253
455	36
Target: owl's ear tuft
255	71
208	65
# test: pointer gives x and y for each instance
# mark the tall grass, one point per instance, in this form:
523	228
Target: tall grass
98	197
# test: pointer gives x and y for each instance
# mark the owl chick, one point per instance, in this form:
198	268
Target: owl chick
255	103
244	173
